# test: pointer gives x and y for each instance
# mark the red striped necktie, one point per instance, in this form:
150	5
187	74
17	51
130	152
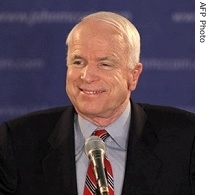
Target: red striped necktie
90	182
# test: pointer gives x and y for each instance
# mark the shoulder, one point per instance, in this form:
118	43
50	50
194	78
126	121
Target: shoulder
169	119
167	112
41	116
42	121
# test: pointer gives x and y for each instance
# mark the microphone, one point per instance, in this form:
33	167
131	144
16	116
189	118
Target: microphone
95	150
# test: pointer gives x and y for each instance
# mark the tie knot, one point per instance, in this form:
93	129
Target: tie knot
102	133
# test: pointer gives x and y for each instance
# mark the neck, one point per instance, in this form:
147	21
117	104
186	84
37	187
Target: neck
103	121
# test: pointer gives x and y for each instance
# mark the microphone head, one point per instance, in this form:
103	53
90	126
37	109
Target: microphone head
94	143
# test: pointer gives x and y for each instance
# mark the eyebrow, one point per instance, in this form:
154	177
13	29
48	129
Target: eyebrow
75	57
109	58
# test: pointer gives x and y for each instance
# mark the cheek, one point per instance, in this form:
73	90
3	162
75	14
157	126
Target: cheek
68	79
71	76
68	84
120	86
122	80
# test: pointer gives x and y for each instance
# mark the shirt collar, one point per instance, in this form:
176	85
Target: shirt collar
118	130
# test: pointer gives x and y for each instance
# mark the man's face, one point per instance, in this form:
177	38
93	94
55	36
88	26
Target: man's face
98	80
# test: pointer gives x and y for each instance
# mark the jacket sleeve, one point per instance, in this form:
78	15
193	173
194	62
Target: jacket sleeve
8	173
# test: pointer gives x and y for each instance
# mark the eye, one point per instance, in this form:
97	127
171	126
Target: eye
106	66
78	63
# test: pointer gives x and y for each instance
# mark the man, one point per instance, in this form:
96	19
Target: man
150	148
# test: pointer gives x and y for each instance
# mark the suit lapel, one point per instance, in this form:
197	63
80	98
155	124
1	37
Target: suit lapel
142	166
59	164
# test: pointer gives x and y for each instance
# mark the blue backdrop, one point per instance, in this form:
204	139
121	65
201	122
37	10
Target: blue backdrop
33	51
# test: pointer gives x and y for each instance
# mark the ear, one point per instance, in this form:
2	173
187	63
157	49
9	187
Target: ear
135	73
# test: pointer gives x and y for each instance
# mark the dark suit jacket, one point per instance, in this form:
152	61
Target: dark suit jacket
37	153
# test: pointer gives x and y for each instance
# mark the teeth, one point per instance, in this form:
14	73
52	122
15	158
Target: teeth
92	92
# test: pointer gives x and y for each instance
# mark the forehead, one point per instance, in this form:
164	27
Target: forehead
97	36
93	29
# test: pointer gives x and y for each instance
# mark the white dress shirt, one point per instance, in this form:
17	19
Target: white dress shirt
116	148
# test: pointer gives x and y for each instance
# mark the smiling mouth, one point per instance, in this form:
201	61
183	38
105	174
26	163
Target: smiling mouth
90	92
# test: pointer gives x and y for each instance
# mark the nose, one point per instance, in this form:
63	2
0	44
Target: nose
90	73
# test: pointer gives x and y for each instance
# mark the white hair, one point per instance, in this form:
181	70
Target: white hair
129	31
